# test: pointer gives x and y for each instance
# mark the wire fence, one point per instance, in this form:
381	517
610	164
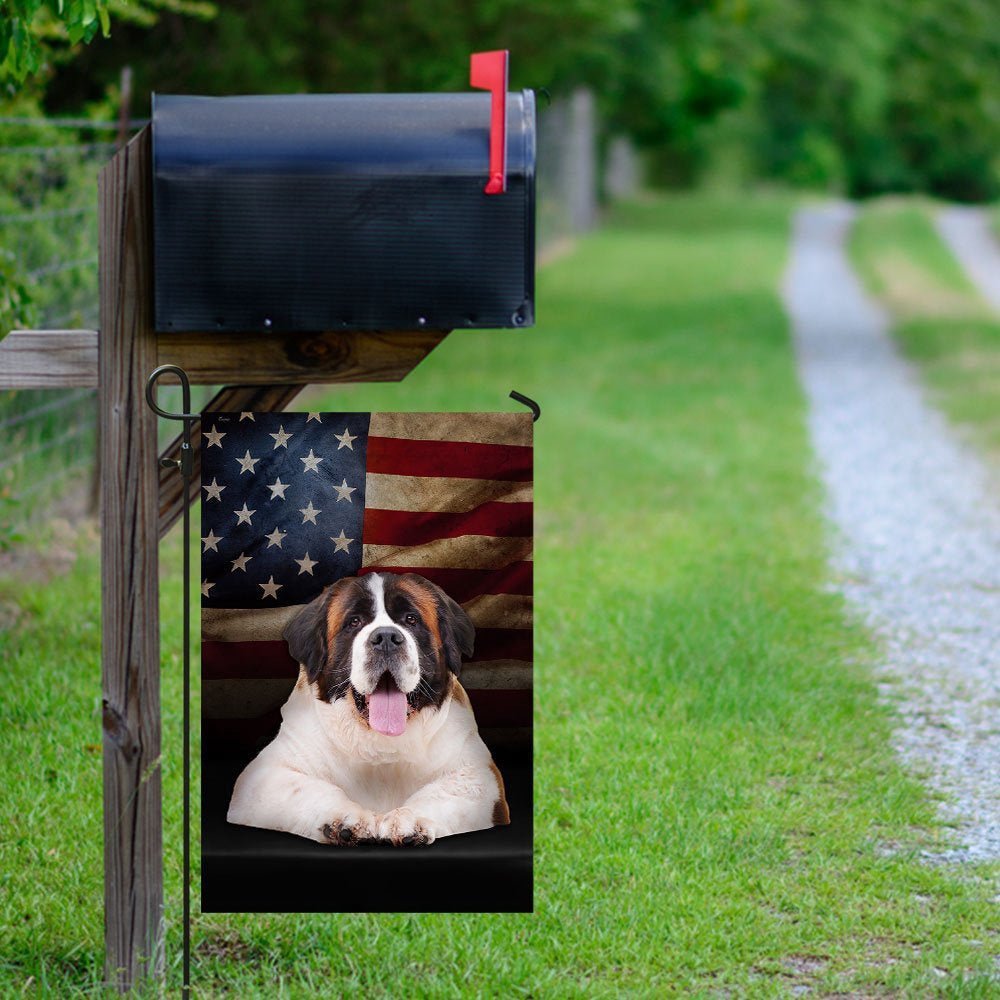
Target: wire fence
48	238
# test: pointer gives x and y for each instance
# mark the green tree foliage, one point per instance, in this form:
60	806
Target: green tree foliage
34	33
677	66
15	298
380	45
28	28
869	96
855	95
943	112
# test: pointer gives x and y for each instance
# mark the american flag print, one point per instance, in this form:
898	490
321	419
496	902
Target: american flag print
292	502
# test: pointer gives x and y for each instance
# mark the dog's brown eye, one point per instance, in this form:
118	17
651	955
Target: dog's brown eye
354	622
410	619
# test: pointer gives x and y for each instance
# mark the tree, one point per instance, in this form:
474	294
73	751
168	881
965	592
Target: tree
30	28
36	32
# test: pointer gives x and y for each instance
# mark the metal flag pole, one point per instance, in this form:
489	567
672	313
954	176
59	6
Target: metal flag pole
536	410
186	466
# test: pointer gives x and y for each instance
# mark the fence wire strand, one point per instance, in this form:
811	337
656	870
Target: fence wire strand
38	485
79	148
43	446
77	124
59	266
48	216
53	404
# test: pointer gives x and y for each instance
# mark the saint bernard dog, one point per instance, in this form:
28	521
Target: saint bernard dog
378	741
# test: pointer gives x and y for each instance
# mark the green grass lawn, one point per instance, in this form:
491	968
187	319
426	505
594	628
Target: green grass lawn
941	322
718	809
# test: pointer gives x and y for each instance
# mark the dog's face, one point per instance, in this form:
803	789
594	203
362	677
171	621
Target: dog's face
388	641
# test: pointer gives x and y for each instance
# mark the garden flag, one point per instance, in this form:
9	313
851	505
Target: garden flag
366	593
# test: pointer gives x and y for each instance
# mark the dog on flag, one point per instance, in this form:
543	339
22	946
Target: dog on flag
378	741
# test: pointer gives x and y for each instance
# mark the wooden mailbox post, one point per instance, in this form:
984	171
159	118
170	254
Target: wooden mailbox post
140	502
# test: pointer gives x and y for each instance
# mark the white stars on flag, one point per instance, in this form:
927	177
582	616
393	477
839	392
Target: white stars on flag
277	489
244	515
342	543
214	436
309	513
311	462
275	537
211	541
344	492
306	564
293	467
247	463
345	439
214	491
281	439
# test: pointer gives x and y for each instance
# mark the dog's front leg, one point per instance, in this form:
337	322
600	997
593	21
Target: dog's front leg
277	798
470	797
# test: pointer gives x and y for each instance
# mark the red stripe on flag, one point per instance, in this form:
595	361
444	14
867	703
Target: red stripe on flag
402	457
221	736
270	659
397	527
257	660
464	584
502	644
494	709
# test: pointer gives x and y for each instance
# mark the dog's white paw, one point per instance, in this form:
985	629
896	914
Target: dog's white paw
402	828
351	829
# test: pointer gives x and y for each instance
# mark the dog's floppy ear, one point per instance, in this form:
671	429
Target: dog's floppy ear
458	634
306	635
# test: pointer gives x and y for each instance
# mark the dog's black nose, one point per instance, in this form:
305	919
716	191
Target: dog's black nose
386	639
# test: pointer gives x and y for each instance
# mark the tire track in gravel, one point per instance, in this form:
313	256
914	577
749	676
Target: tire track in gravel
917	546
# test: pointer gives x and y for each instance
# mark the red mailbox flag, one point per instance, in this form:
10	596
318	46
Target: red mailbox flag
488	71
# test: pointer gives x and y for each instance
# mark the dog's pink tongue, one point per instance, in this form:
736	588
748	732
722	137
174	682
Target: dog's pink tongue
387	708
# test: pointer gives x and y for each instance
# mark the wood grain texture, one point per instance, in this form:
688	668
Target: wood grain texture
217	357
130	661
48	359
234	398
57	359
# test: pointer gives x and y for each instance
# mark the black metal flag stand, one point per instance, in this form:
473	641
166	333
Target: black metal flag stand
186	466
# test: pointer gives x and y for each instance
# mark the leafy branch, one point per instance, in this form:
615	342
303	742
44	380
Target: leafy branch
33	30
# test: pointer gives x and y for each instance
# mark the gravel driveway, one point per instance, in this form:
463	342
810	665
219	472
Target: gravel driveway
917	530
966	230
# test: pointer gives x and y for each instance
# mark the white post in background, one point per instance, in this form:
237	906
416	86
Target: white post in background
622	170
582	161
567	168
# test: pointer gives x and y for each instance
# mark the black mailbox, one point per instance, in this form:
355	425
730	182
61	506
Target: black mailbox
350	211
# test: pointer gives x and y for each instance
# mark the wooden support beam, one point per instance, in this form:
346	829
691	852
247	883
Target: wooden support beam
233	398
267	359
56	359
48	359
130	645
